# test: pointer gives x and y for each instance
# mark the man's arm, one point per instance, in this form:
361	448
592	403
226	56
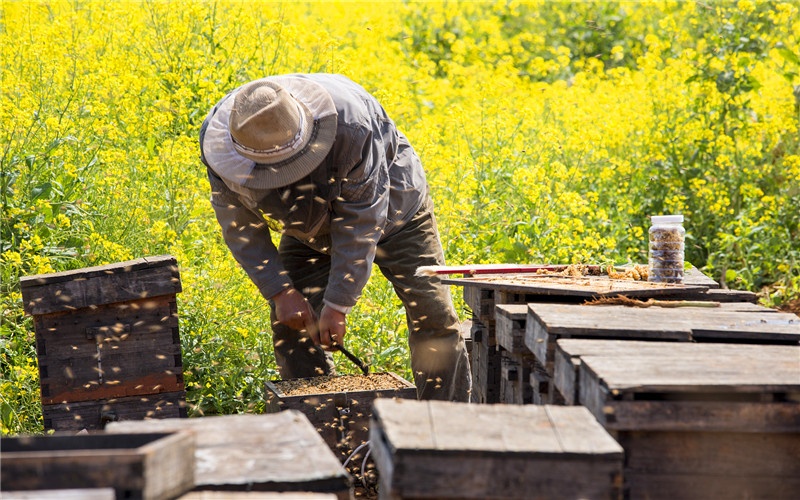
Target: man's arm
249	240
358	218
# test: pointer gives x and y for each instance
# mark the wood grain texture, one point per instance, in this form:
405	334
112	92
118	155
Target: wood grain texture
510	326
712	453
114	350
559	452
548	323
690	416
667	323
683	386
584	287
148	466
741	486
274	452
95	286
94	415
710	369
485	365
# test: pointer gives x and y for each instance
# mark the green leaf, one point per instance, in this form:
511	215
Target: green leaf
41	191
6	412
743	62
730	275
789	55
751	83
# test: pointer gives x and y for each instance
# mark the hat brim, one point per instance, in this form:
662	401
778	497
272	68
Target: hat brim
249	170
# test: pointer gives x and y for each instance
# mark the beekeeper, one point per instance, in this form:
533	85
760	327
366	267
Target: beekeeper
316	158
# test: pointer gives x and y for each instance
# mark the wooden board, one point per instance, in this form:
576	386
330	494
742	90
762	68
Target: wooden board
701	465
510	327
485	365
713	368
549	322
741	321
741	486
274	452
668	386
65	494
583	287
94	415
434	449
155	465
114	350
93	286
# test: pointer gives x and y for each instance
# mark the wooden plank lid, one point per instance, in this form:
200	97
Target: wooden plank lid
93	286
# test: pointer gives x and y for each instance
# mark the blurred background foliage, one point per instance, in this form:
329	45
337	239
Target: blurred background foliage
550	131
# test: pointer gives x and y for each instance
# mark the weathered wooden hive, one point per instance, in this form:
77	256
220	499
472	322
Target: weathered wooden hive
108	343
443	450
154	466
339	407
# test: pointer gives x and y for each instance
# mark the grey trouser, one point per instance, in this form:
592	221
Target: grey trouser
438	353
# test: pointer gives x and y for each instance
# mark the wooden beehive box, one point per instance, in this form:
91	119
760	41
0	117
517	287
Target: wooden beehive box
279	452
696	420
339	407
107	342
732	322
504	369
150	466
442	450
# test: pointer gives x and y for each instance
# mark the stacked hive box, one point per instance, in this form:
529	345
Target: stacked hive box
436	449
696	420
486	355
108	343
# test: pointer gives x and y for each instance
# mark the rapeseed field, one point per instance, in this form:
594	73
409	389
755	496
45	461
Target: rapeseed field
550	132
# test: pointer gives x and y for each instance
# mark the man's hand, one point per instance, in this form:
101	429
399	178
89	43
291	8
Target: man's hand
332	327
294	311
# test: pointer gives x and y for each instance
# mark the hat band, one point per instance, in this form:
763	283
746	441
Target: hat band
288	161
296	142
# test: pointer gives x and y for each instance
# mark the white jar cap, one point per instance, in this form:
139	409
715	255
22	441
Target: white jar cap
666	219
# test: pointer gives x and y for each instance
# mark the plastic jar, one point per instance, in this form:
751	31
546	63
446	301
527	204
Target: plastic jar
666	249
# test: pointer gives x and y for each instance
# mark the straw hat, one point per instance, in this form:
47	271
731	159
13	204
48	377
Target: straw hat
271	132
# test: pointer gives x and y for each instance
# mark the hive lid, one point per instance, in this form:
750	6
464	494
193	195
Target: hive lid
94	286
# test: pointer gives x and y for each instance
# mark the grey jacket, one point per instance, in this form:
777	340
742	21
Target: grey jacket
370	183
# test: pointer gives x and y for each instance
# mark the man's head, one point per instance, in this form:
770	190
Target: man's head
280	128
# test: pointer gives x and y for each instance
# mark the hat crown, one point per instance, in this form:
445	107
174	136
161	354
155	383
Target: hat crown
265	118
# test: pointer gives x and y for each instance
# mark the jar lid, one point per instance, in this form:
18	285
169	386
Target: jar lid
666	219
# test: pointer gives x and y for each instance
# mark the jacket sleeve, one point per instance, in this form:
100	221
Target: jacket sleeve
249	239
357	220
